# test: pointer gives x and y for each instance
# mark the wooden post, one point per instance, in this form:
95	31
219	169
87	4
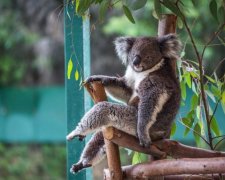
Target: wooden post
167	25
98	94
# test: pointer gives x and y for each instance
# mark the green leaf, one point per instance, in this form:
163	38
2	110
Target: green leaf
158	9
139	158
183	90
197	132
136	4
210	94
127	12
102	10
172	7
216	92
189	123
180	24
198	112
69	68
210	79
173	129
182	53
223	106
213	9
194	2
76	75
214	126
187	77
223	97
82	6
194	88
221	14
194	102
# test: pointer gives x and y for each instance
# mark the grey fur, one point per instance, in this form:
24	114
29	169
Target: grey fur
151	81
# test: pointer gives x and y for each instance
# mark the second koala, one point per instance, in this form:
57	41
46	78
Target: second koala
149	78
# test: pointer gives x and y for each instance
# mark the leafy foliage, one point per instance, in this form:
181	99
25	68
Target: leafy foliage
33	162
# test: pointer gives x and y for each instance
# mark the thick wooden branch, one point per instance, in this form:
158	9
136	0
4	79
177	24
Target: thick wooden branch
160	148
176	167
173	177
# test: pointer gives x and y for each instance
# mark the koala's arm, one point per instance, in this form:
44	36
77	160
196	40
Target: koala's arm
150	104
115	87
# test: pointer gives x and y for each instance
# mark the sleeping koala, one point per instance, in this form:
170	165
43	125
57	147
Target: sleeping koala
149	78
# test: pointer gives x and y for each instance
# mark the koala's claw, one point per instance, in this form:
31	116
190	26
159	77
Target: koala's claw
81	137
78	167
145	142
74	134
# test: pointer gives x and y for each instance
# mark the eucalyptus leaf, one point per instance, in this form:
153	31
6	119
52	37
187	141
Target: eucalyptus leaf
158	9
173	129
216	91
196	133
180	23
210	94
198	112
183	90
210	79
187	77
223	97
189	123
128	13
214	126
139	158
69	68
221	14
213	9
172	7
136	4
76	75
194	101
102	10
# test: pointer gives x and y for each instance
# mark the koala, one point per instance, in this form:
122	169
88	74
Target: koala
149	90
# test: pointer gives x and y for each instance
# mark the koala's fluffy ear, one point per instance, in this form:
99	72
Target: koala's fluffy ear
170	46
123	45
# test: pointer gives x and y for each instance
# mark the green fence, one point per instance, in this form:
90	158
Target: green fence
34	114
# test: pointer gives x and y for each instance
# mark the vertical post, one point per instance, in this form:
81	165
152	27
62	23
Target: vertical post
77	65
167	24
112	150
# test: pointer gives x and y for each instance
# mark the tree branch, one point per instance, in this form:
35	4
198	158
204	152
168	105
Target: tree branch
183	166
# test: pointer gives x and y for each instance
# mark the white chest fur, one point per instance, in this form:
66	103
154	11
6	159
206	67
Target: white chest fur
134	78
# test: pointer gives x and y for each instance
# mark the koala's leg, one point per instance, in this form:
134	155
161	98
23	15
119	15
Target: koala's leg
92	154
150	105
102	114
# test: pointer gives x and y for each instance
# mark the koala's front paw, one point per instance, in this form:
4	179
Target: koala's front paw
78	167
74	134
144	140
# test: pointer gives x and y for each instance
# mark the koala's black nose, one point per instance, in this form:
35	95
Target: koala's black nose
137	60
